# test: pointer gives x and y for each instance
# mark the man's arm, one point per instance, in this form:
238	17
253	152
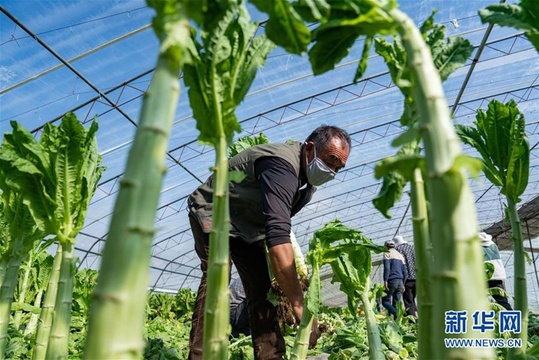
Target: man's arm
279	184
284	268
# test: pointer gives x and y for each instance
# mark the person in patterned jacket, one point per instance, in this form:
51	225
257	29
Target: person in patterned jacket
409	295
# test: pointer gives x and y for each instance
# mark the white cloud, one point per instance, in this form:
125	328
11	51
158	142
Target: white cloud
6	76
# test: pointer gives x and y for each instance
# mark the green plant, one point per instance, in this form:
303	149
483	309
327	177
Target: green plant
408	165
55	178
121	291
223	69
246	142
348	253
22	236
500	138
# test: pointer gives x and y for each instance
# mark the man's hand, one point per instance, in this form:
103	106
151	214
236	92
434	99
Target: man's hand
385	285
315	334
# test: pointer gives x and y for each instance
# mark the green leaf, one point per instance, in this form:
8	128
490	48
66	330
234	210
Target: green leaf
362	66
392	188
532	352
473	165
284	27
348	252
522	16
246	142
501	140
5	237
77	168
448	55
170	24
17	306
24	166
451	55
409	135
313	296
332	43
472	137
403	164
334	38
224	67
489	270
312	10
56	177
236	176
345	273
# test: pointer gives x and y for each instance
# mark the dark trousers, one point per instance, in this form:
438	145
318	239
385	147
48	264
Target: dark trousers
393	295
502	300
239	319
409	296
250	261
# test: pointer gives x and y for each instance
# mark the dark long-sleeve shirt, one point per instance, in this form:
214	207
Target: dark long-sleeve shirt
278	185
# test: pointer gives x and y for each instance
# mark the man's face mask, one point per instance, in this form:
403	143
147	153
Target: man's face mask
318	172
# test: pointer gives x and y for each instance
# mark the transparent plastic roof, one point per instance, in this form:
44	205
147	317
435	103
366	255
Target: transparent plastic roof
97	58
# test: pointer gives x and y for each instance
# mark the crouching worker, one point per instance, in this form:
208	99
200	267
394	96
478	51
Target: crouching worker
279	180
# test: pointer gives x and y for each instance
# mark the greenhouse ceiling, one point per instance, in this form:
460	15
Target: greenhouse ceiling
96	58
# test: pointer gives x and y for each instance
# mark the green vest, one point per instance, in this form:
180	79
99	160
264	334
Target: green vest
245	199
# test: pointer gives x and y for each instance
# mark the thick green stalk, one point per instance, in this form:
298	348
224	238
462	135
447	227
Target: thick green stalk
217	310
423	254
31	326
22	288
373	333
123	280
3	266
312	300
47	310
299	259
521	292
6	298
457	270
301	342
57	347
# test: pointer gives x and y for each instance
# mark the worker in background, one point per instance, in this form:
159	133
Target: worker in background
239	314
395	275
279	180
409	295
492	255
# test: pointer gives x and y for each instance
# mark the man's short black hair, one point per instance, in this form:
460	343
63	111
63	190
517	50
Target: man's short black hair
324	133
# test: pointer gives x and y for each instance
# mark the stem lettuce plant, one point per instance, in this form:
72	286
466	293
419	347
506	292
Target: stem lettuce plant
124	274
47	186
23	235
408	165
348	253
500	138
223	69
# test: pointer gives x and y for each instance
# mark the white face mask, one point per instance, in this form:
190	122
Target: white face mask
318	172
